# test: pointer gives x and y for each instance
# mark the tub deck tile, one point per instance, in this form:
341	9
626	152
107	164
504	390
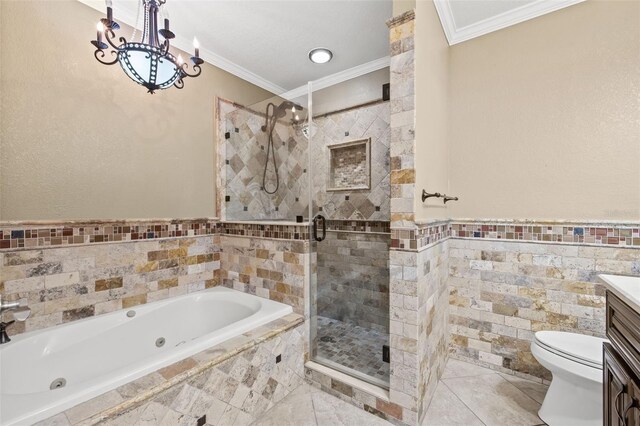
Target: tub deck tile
93	406
177	368
140	385
57	420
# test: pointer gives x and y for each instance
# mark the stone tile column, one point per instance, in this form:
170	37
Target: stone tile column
404	389
403	175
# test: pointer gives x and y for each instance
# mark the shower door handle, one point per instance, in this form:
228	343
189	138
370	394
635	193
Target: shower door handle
316	219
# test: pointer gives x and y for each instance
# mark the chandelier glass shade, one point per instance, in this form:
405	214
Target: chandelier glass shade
147	61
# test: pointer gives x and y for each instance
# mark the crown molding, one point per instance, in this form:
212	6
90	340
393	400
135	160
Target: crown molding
524	13
338	77
184	44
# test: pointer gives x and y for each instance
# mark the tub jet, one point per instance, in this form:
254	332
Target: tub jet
58	383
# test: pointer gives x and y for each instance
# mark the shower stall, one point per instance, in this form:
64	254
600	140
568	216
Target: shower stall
322	159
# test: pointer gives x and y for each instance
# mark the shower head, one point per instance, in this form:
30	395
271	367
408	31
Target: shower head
282	109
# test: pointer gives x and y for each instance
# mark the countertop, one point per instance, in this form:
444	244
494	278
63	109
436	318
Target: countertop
626	288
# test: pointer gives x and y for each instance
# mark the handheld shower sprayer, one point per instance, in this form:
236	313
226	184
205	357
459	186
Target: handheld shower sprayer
274	113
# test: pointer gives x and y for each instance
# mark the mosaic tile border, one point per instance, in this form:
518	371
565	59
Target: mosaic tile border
382	226
588	233
14	236
420	237
271	231
604	234
40	235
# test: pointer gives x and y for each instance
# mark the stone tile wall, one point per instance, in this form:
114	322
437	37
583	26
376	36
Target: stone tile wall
269	268
63	284
433	320
418	327
501	292
371	121
353	278
242	154
402	147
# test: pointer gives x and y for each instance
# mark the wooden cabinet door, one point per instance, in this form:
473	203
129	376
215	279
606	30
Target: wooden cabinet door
633	409
617	396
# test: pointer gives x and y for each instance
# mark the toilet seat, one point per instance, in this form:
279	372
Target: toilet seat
580	348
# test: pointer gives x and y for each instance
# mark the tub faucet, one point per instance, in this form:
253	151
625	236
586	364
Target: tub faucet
20	313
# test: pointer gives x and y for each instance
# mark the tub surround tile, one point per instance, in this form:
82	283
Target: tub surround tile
93	406
258	266
205	383
64	284
57	420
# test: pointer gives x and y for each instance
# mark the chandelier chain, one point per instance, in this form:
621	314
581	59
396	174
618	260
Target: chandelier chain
137	22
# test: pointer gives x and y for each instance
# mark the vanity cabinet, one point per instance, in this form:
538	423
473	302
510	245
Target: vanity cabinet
621	364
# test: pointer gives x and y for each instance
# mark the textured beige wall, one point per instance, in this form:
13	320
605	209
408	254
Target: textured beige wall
80	140
357	91
432	112
545	117
401	6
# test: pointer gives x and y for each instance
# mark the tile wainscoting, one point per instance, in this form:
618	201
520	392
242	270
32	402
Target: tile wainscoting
270	268
73	270
419	325
502	292
64	284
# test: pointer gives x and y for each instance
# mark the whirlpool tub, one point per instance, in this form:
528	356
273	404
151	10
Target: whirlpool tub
48	371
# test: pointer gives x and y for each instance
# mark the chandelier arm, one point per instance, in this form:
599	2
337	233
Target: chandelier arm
99	54
179	83
166	47
109	35
196	68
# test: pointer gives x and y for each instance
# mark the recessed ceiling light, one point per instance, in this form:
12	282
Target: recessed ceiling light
320	55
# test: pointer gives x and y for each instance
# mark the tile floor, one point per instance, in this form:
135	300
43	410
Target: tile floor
466	395
353	346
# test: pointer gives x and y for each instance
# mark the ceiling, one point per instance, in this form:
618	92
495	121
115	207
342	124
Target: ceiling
266	42
466	19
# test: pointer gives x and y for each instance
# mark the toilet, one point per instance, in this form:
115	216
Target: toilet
575	394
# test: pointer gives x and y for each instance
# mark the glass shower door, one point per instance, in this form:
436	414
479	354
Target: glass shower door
349	204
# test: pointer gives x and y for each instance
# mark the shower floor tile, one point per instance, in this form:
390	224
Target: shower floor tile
352	346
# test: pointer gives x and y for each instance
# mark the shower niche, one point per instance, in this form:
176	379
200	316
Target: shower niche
350	165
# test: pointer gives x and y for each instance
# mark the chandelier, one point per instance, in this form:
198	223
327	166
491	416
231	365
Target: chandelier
147	61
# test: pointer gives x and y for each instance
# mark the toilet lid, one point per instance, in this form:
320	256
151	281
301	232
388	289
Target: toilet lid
581	348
